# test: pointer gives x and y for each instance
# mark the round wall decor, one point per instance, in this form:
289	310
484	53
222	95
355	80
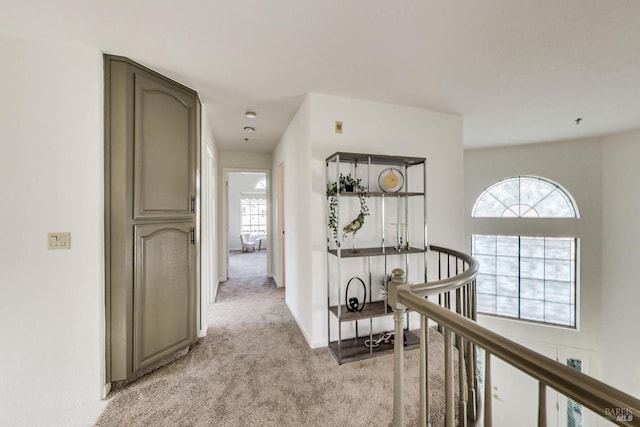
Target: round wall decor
391	180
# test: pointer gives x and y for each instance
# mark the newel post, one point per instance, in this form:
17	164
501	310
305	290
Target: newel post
398	281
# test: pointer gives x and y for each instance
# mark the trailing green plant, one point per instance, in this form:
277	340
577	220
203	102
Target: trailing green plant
348	184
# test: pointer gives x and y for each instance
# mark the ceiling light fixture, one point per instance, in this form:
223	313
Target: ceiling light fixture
246	139
578	120
250	114
249	129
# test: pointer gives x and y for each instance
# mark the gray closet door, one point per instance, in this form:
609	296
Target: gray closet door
164	180
163	291
152	156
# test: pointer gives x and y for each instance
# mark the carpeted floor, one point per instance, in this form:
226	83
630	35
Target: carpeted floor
255	368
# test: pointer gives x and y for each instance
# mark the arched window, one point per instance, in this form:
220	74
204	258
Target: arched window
525	197
531	278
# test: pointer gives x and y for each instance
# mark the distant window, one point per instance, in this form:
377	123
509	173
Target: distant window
261	184
526	277
525	197
254	215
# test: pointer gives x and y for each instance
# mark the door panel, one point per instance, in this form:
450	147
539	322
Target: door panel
164	150
152	151
163	291
515	394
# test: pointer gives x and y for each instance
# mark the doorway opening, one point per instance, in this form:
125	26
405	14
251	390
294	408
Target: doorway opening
247	224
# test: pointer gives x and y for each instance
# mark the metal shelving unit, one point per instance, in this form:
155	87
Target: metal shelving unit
380	252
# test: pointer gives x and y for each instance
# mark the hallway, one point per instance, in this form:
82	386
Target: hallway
255	368
248	265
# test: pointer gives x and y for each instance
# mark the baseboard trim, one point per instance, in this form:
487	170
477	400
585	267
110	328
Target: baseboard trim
275	279
311	343
106	389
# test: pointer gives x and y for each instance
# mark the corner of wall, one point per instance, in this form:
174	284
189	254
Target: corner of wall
293	151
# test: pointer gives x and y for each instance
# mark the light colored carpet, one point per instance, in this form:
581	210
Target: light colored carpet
254	368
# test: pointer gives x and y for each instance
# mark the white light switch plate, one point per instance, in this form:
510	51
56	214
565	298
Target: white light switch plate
59	240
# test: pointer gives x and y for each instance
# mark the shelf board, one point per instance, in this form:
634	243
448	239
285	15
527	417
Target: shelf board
380	193
376	159
371	309
354	349
377	251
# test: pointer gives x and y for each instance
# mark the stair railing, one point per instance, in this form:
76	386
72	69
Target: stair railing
604	400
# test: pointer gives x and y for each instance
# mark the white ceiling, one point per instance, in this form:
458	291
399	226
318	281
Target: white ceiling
519	71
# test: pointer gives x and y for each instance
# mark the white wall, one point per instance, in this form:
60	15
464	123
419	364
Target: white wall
244	160
577	166
208	221
51	179
294	150
369	127
621	252
240	182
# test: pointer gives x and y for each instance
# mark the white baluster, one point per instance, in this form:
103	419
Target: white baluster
488	408
542	405
398	279
449	417
424	372
462	397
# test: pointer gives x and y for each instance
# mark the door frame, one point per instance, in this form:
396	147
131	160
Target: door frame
224	223
209	204
280	277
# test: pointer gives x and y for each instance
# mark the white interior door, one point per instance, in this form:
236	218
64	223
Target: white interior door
515	394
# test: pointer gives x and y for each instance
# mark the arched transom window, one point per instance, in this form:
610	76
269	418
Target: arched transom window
525	197
527	277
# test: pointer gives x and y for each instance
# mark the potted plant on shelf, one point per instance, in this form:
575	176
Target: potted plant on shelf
346	184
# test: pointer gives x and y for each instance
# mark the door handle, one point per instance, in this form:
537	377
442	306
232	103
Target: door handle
193	204
193	235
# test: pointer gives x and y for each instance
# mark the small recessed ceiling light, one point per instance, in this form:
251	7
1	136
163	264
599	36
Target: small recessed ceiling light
250	114
249	129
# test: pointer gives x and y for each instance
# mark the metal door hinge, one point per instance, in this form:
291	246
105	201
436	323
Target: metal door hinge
193	204
193	236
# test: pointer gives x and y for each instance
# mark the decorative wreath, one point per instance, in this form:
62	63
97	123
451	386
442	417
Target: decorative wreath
347	183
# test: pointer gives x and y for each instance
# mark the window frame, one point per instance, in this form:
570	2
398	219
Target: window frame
532	227
261	184
253	200
575	282
571	203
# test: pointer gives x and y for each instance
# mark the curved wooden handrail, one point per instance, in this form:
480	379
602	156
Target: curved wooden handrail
595	395
456	288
